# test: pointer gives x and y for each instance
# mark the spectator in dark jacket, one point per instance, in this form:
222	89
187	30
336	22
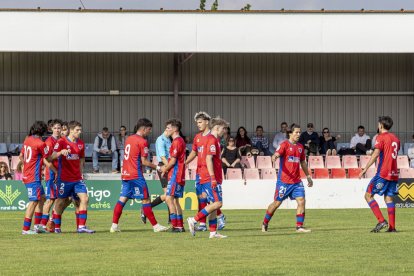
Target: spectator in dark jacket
230	156
105	145
327	142
310	140
243	142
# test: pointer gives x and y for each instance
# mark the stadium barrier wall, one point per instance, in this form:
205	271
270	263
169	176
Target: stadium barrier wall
237	194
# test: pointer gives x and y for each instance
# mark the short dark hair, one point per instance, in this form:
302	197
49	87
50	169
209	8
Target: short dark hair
122	127
259	126
105	129
290	129
50	122
39	128
56	122
66	124
283	123
386	122
310	125
175	123
361	127
73	124
143	122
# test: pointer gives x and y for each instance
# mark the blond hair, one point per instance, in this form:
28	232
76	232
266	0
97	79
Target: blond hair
217	121
202	115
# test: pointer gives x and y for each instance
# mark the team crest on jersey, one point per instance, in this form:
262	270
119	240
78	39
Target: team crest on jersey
46	150
213	148
300	150
146	150
175	151
56	146
80	147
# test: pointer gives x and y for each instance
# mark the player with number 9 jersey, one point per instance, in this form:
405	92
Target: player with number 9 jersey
135	148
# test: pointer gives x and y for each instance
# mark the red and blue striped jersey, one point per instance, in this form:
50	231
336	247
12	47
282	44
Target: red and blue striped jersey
135	148
177	150
389	145
290	157
34	150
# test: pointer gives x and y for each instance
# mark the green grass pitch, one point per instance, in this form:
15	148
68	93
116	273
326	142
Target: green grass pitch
340	243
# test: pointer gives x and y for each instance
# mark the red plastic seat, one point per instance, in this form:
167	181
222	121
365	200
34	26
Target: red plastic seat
363	161
264	162
276	164
248	162
349	162
302	174
234	174
316	162
402	162
407	173
251	174
338	173
321	173
269	174
333	162
5	159
371	172
354	172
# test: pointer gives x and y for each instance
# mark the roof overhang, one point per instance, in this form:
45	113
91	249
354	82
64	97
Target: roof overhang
198	32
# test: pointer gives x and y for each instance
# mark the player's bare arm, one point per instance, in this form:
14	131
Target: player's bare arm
190	157
147	163
306	171
371	161
170	164
275	156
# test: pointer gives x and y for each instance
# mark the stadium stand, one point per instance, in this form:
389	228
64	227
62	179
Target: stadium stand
333	162
354	172
407	173
371	172
363	161
406	147
251	174
340	146
321	173
5	159
338	173
3	148
316	162
264	162
349	162
269	174
248	162
88	150
14	162
234	174
402	162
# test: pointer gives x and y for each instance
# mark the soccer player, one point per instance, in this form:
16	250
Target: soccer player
176	174
33	153
51	171
289	184
384	183
162	146
64	131
202	120
133	181
211	178
70	151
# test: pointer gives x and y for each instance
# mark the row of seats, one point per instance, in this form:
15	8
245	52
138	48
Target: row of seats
12	163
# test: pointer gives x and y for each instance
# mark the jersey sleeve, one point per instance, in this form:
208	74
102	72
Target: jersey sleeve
212	147
82	152
144	149
281	149
44	150
379	143
194	147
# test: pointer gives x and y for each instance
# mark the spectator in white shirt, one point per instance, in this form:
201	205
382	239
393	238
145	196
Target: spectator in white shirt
361	143
280	136
410	154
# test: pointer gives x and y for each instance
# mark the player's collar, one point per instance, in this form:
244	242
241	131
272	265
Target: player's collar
67	138
202	134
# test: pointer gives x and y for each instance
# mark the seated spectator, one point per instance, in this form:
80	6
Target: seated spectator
327	142
310	140
280	136
361	143
260	142
243	142
230	157
4	172
120	143
18	174
225	138
104	145
410	153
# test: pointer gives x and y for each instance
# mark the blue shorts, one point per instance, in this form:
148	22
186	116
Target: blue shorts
51	190
381	186
68	189
213	195
292	191
174	189
34	191
135	188
198	187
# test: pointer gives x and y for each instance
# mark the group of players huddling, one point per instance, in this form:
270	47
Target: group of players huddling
63	156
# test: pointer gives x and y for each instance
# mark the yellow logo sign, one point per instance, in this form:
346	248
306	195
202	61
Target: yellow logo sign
9	196
406	191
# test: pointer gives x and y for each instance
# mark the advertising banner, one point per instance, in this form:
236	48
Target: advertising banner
405	198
